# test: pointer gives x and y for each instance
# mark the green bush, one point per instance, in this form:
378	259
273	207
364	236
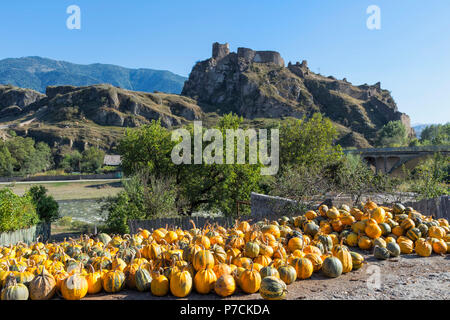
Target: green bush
143	198
65	221
46	206
393	134
16	212
431	178
22	156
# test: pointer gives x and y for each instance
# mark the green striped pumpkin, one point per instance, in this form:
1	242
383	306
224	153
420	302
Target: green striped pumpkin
385	228
272	288
357	260
332	267
381	253
393	248
287	273
269	271
407	224
113	281
143	279
414	234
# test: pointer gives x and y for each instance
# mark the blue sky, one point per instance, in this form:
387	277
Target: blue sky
409	55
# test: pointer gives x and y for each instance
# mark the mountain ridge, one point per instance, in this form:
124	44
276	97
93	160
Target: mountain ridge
37	73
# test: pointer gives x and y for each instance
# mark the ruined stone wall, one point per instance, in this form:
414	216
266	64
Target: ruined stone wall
220	51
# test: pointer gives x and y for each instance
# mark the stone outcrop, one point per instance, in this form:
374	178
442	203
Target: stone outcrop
104	104
92	115
256	84
17	99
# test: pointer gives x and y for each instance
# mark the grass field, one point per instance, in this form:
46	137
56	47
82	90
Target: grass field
73	190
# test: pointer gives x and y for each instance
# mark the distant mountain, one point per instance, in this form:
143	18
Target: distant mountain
37	73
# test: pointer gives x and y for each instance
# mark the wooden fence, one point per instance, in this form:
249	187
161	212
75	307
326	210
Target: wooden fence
183	222
437	207
27	236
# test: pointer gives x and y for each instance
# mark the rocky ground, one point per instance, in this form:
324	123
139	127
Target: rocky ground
404	278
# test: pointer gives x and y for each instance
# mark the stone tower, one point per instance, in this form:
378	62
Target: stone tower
220	51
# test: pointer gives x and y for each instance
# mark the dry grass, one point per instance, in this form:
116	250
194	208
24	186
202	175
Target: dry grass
74	190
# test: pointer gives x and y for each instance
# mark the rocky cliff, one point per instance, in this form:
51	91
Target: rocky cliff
258	84
91	115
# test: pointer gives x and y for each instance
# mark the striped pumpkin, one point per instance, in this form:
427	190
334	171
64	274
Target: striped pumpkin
407	224
287	273
316	260
414	234
13	290
269	271
143	279
303	267
203	259
272	288
357	260
113	281
332	267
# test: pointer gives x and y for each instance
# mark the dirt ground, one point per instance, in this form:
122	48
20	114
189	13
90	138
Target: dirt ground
74	190
404	278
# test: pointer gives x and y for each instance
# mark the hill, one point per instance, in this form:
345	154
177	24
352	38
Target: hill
92	115
38	73
257	84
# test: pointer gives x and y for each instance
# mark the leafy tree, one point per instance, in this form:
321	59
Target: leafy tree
392	134
40	160
25	157
143	197
92	159
308	142
6	161
71	162
46	206
436	135
16	212
209	186
147	148
431	178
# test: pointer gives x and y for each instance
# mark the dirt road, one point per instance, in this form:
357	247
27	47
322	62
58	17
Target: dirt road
406	277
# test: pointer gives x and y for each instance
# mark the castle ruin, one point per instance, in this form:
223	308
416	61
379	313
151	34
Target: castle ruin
220	51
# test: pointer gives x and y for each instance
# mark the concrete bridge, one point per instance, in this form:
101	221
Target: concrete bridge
391	160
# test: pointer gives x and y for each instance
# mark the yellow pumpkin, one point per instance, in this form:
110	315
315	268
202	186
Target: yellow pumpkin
365	243
303	267
436	232
94	280
204	280
159	285
74	287
406	246
316	260
378	214
423	248
373	231
225	286
203	259
250	281
295	243
439	246
181	283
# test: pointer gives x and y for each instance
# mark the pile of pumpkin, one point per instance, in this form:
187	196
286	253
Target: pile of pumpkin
265	256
